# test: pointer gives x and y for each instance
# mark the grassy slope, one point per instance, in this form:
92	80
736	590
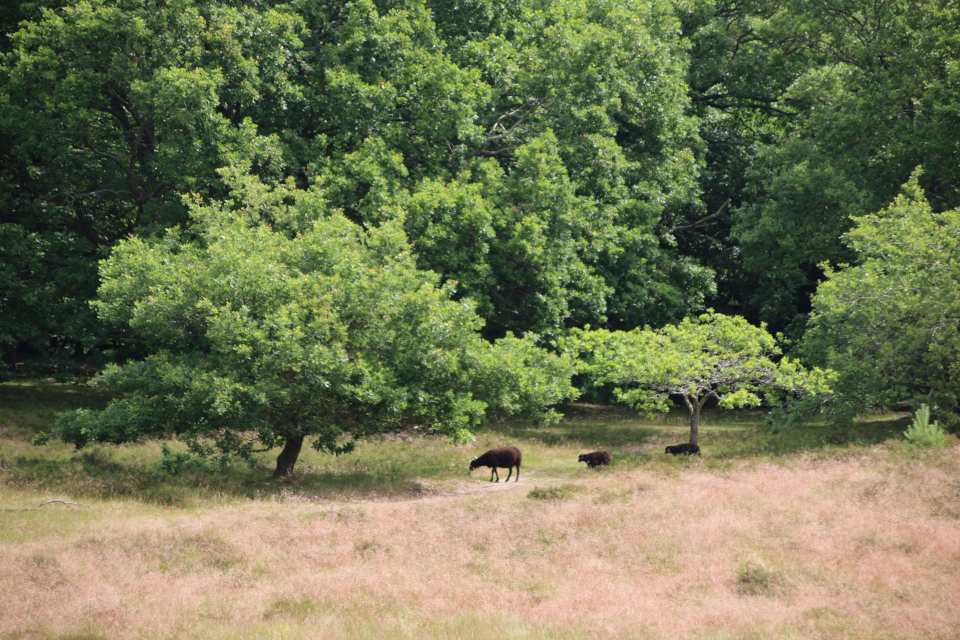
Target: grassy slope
790	535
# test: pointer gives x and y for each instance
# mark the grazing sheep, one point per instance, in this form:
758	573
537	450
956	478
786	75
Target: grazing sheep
505	458
686	447
595	458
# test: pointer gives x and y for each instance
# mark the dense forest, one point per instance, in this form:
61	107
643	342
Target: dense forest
557	164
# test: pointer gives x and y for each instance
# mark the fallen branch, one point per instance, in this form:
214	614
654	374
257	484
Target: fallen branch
72	506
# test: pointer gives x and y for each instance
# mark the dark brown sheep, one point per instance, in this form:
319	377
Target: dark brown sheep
505	458
686	447
595	458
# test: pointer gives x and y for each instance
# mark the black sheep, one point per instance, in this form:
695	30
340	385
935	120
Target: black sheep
595	458
505	458
686	447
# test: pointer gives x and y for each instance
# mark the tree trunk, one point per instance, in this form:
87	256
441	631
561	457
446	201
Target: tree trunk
288	457
694	408
695	422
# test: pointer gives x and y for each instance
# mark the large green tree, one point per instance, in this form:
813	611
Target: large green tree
528	152
279	324
533	148
810	112
889	323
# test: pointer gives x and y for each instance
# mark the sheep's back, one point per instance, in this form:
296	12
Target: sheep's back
502	457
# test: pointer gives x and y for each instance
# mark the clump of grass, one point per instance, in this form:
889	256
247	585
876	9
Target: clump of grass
560	492
196	553
619	495
83	635
754	578
368	548
286	608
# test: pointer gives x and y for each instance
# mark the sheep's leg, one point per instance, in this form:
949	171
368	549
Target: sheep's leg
493	472
510	474
518	474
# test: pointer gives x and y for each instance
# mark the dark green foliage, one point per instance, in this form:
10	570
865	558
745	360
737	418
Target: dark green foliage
528	157
876	100
110	111
555	163
888	325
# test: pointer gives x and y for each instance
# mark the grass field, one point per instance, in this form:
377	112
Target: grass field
802	534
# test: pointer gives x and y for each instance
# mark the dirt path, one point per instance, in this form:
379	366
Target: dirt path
528	479
475	486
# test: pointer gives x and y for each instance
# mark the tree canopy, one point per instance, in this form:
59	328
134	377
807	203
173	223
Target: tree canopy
558	164
529	153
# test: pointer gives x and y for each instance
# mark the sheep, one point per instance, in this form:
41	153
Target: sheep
686	447
595	458
505	458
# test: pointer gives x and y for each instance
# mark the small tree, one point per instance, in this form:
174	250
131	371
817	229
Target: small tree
923	433
713	356
262	338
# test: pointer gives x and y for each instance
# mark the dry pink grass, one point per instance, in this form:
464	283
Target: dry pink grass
857	548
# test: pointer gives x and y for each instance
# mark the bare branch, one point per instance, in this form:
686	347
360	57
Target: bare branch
103	191
72	506
530	106
104	154
702	222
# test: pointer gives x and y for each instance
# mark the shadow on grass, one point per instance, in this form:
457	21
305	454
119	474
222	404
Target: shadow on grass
100	473
29	406
46	396
582	425
384	467
723	434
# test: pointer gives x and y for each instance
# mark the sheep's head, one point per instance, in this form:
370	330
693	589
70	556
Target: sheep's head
473	464
583	457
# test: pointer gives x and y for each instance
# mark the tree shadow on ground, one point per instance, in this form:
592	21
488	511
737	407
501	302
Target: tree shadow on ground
389	467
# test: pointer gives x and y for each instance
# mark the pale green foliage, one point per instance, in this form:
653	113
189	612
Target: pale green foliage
257	336
923	433
718	356
888	325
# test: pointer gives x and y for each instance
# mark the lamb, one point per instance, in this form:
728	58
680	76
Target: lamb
505	458
595	458
686	447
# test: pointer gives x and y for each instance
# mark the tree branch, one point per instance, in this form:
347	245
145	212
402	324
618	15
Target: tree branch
69	504
702	222
531	105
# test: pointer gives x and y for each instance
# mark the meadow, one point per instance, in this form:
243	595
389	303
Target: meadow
806	533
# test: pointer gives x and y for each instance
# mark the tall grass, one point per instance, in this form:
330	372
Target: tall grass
765	536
